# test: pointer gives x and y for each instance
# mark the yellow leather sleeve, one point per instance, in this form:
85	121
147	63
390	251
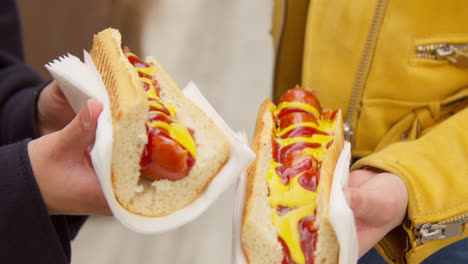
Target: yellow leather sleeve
288	29
434	168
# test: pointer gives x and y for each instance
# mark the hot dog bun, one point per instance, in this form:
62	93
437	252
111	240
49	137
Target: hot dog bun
129	109
259	236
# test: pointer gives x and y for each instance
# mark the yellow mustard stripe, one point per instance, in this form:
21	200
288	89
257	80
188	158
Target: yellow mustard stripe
317	153
146	70
179	133
176	131
288	230
151	93
157	112
148	81
155	104
285	130
170	107
131	54
316	138
292	195
327	126
273	108
303	106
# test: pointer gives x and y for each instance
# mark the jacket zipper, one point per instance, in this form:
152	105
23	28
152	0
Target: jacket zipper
363	69
455	53
446	229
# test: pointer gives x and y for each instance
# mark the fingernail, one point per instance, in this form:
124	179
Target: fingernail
86	117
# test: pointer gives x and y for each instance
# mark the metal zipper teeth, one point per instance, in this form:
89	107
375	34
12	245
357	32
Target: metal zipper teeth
461	219
364	67
426	51
279	39
458	219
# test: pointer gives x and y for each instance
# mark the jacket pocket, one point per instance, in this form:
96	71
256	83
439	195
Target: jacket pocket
419	121
442	49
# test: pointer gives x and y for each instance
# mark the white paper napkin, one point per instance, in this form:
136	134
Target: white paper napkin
237	254
80	82
340	214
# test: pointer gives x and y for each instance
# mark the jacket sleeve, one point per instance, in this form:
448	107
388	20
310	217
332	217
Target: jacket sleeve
25	224
19	85
19	90
434	168
28	233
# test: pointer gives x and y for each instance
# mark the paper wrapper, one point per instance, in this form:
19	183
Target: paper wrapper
80	82
341	216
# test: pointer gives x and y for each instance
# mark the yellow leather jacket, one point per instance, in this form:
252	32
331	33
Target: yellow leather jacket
399	71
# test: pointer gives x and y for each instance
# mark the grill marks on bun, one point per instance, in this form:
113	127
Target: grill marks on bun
129	109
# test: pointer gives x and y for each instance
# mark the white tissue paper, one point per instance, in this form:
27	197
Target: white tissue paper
237	253
80	82
341	216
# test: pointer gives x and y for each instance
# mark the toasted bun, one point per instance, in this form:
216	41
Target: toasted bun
135	193
327	248
259	237
128	109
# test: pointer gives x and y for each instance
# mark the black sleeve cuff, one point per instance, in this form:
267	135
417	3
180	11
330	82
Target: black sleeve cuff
20	115
19	91
28	232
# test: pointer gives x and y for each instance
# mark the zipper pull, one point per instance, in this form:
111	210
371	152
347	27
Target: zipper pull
428	232
454	53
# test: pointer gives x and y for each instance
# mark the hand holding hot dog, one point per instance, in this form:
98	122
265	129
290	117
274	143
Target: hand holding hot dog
379	202
63	170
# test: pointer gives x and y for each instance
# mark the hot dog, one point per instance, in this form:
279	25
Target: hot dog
285	216
171	151
165	149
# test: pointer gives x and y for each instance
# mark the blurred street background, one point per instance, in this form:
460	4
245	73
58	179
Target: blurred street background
223	46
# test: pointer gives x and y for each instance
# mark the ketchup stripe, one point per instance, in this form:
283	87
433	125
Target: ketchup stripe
299	129
156	113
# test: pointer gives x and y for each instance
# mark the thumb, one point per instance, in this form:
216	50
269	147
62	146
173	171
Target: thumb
80	132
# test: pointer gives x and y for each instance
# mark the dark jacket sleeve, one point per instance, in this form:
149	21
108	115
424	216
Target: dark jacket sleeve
19	85
29	234
19	90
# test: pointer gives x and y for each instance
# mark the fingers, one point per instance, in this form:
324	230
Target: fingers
56	93
380	200
80	133
53	110
379	204
56	96
362	202
60	163
359	177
